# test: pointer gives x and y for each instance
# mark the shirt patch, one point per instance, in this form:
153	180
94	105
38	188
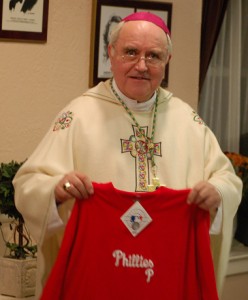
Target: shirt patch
197	118
64	121
136	218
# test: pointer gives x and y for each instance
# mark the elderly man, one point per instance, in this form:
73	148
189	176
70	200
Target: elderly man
131	132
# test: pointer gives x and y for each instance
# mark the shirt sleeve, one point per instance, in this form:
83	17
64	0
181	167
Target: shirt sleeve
217	222
54	222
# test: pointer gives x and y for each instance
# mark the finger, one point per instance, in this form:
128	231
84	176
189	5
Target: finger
81	186
87	183
79	190
192	196
73	185
198	193
206	205
60	194
76	190
66	189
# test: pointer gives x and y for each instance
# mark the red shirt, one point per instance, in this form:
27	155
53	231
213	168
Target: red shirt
100	259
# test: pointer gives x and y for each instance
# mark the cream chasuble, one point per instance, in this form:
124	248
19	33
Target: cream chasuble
96	136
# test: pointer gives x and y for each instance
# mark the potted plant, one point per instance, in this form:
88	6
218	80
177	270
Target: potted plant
20	261
240	164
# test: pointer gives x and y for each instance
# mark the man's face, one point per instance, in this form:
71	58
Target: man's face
138	80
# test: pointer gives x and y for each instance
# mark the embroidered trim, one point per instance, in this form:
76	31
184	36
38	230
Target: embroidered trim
197	118
64	121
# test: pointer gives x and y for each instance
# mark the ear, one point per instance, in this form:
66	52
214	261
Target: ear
110	51
110	54
168	59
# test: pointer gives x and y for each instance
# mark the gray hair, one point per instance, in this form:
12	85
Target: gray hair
116	31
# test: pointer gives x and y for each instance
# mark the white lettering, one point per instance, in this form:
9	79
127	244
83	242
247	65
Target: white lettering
151	264
117	255
149	273
134	261
145	263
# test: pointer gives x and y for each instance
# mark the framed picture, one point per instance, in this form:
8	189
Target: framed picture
24	20
108	13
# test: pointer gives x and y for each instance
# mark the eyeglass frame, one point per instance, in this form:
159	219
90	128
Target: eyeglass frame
147	59
134	59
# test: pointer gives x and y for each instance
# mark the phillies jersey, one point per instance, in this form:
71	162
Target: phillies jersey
129	245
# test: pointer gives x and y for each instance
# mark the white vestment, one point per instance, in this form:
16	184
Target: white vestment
96	136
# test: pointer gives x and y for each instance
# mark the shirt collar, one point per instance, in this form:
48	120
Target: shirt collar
134	104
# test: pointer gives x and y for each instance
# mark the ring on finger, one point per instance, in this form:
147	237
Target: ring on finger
66	186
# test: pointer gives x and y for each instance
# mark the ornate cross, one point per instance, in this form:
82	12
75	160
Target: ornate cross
140	147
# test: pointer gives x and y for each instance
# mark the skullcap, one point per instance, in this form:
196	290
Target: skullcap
147	16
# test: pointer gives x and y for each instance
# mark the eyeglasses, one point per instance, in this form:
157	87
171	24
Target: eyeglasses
153	60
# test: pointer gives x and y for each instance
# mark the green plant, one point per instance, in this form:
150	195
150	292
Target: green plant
240	165
21	247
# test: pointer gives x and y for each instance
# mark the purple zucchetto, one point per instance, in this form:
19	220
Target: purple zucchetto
147	16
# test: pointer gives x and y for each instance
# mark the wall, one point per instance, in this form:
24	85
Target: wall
38	80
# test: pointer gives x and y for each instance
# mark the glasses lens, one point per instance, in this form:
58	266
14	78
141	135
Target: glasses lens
130	58
134	59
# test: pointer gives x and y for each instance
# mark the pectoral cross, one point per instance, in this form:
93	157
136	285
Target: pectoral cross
142	149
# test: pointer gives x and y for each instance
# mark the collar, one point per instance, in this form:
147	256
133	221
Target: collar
134	104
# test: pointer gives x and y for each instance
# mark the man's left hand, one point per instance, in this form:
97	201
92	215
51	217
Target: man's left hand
205	195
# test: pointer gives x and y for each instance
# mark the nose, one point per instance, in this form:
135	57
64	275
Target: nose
141	64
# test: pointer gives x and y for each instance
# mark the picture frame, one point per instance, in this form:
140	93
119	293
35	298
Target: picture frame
107	13
24	20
